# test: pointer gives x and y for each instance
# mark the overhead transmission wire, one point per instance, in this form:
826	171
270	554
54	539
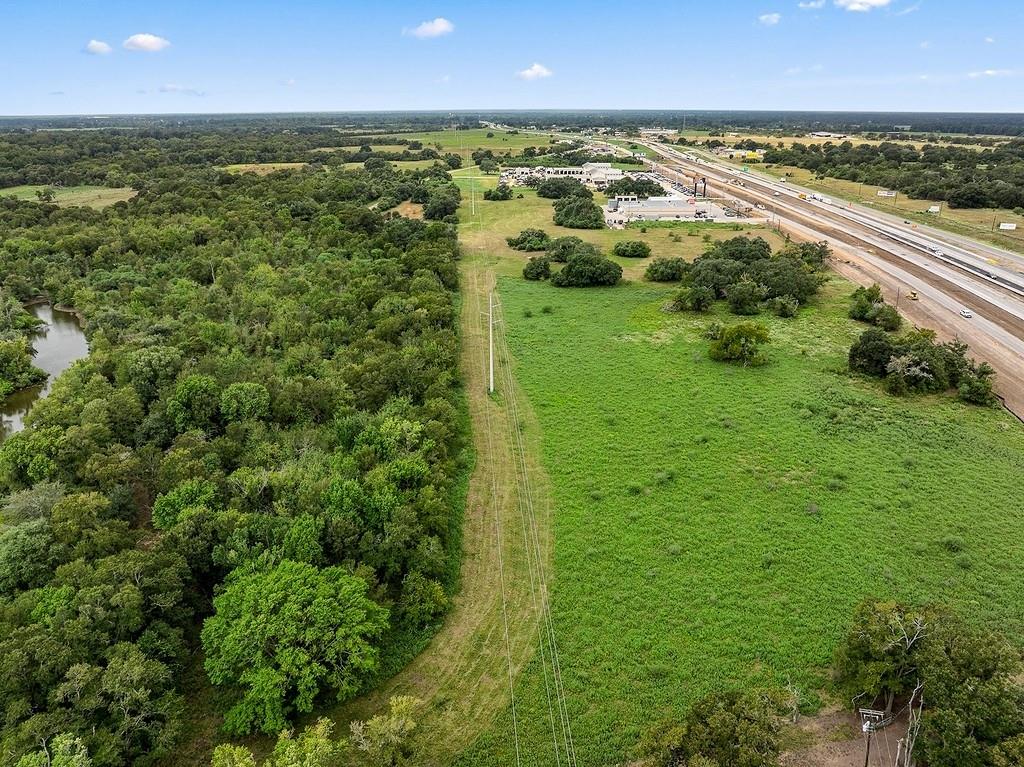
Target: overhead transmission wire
527	504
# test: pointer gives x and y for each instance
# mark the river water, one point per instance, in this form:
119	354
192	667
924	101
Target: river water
58	343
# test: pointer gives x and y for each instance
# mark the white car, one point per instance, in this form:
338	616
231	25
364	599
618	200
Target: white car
966	313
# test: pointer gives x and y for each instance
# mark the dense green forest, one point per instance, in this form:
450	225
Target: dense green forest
269	424
120	157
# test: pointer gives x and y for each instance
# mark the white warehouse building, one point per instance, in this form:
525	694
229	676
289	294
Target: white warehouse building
595	174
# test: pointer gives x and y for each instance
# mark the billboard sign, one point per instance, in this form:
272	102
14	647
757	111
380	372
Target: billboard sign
1008	227
886	193
934	208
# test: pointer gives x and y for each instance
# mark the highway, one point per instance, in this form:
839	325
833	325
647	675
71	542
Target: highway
949	272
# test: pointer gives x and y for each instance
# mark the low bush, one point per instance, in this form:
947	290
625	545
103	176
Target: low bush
578	213
741	343
632	249
666	270
537	268
500	192
561	248
529	240
585	270
559	188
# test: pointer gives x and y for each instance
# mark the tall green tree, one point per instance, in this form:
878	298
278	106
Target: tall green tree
286	635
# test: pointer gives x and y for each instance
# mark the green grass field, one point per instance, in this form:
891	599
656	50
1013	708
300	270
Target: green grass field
464	142
86	195
715	525
262	168
485	230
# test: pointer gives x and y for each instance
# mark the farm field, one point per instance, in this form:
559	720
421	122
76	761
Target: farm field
715	525
262	168
465	142
85	195
399	164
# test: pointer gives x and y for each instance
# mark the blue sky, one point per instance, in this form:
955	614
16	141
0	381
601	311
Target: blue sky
107	56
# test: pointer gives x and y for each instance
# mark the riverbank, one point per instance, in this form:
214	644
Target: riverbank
57	344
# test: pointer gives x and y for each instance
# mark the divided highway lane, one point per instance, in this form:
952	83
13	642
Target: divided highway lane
974	259
998	298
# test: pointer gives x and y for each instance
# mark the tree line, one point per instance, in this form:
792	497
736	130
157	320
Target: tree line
963	177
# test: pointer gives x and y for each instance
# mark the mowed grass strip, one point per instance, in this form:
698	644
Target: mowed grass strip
714	526
86	195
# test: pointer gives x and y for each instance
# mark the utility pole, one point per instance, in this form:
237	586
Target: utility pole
490	342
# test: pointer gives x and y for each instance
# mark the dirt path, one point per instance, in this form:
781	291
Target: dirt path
465	674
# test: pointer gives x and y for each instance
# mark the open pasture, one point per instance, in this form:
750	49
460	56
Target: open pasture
715	525
86	195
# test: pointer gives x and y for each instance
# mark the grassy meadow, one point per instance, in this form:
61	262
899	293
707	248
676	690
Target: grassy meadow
66	196
465	142
485	230
714	525
262	168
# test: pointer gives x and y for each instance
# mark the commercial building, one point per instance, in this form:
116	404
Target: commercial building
628	208
595	174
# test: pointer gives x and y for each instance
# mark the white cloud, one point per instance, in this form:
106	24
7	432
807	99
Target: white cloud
146	42
97	48
173	88
908	9
534	72
924	45
811	5
444	79
861	5
289	82
815	68
991	73
436	28
794	71
770	19
990	40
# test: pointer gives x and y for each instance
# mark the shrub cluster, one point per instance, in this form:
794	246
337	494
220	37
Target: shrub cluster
739	343
868	306
632	249
586	269
917	364
666	270
578	212
559	188
746	273
529	240
500	192
641	187
584	265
